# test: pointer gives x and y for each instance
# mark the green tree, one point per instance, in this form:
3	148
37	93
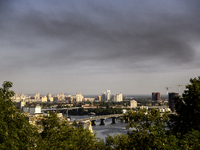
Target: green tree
187	109
118	141
15	130
58	134
148	131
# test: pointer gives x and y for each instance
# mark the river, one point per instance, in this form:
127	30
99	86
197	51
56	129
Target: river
103	130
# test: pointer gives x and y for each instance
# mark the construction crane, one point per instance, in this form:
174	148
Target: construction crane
179	88
167	88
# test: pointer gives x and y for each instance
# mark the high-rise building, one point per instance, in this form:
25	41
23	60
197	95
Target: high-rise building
103	96
43	99
22	104
58	97
108	95
98	98
79	97
37	96
62	96
22	96
118	97
49	97
171	100
156	97
16	97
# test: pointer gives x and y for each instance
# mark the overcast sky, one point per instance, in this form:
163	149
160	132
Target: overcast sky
89	46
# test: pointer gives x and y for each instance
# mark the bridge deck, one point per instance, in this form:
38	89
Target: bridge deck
99	117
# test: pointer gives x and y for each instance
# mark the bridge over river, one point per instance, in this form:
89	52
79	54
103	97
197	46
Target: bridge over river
104	117
101	118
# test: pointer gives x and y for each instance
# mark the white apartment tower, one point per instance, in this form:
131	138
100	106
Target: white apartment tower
49	97
103	96
22	96
62	96
108	95
37	96
79	97
118	97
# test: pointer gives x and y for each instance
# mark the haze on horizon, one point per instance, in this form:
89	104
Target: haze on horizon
131	46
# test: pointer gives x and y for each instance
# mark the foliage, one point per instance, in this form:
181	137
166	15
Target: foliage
148	131
117	142
17	133
187	109
15	130
151	130
60	135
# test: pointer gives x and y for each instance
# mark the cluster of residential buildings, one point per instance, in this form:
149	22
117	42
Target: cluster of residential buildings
40	98
106	96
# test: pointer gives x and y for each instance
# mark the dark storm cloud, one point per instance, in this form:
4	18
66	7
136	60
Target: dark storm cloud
5	5
133	34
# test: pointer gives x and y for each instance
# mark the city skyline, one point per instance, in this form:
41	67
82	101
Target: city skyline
133	47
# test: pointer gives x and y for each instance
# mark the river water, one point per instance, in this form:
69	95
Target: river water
103	130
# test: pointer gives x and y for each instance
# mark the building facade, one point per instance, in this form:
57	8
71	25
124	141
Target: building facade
156	97
43	99
133	103
79	97
171	100
49	97
108	93
118	97
37	96
103	96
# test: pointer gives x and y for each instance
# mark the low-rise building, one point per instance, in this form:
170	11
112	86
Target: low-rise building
32	110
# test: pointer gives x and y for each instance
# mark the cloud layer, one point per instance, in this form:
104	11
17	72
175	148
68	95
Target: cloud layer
98	37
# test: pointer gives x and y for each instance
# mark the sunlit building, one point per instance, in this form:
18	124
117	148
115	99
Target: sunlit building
49	97
133	103
79	97
37	96
108	95
62	96
43	99
118	97
103	96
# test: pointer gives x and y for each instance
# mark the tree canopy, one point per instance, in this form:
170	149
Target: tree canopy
15	130
187	109
153	130
17	133
58	134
